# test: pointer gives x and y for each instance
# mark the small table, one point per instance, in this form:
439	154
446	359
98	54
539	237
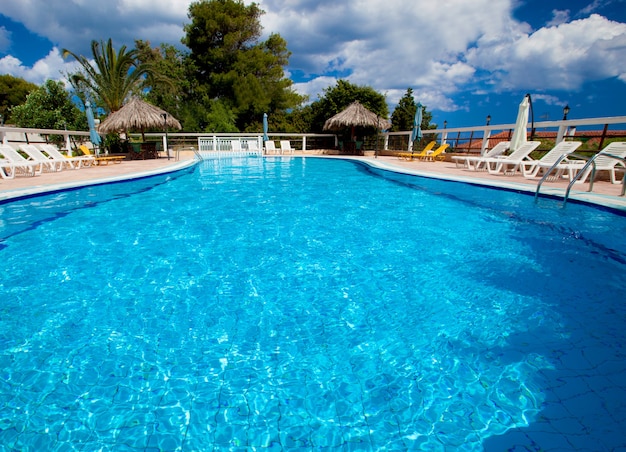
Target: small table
349	147
143	151
148	150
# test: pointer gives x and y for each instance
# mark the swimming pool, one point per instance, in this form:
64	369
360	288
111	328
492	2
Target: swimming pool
308	304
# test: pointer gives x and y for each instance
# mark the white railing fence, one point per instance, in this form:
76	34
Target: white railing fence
231	145
479	138
461	139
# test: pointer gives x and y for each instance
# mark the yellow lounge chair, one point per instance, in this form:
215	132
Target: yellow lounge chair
102	160
413	155
437	154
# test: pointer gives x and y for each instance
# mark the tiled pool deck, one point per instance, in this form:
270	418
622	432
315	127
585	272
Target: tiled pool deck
68	178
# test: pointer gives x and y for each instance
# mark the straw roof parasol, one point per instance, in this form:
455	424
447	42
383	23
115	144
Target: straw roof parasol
356	115
137	114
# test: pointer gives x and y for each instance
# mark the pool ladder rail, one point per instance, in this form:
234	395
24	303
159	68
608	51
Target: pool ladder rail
590	162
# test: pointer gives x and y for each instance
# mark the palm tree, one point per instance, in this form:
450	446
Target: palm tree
114	76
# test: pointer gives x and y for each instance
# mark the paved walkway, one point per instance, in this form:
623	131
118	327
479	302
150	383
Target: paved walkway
604	192
68	178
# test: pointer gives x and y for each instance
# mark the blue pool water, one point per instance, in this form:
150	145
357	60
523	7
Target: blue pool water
308	304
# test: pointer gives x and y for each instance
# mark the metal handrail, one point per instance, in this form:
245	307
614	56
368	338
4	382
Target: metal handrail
196	152
556	163
592	161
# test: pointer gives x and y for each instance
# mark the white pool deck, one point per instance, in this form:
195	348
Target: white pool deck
604	193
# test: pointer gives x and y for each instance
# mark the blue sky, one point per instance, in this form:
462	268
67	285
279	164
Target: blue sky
463	60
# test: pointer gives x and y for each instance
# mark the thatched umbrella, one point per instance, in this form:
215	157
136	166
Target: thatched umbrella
138	114
356	115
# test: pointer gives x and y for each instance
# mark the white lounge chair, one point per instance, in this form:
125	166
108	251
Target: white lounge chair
74	162
49	164
605	163
509	164
7	169
5	166
559	154
476	162
15	163
285	147
253	146
270	147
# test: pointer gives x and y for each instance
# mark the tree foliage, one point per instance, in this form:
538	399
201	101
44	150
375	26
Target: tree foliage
49	107
231	64
404	114
224	83
218	32
338	97
13	92
181	97
113	79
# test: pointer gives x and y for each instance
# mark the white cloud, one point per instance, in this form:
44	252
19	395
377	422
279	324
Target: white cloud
73	25
593	7
437	48
314	87
561	57
558	17
548	99
52	66
387	44
5	39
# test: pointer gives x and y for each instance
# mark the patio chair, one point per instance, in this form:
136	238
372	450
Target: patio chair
609	164
510	164
476	162
5	166
75	162
558	154
253	146
15	163
8	169
49	163
285	147
437	154
270	147
413	155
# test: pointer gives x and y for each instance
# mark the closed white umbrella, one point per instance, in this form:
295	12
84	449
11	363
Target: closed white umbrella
521	124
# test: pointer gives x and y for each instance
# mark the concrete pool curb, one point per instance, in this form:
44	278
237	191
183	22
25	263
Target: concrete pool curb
129	174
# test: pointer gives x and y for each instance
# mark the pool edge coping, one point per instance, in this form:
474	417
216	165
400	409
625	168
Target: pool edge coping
19	193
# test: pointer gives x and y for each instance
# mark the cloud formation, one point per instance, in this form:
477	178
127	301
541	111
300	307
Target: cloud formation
5	39
73	25
390	46
52	66
559	57
387	44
